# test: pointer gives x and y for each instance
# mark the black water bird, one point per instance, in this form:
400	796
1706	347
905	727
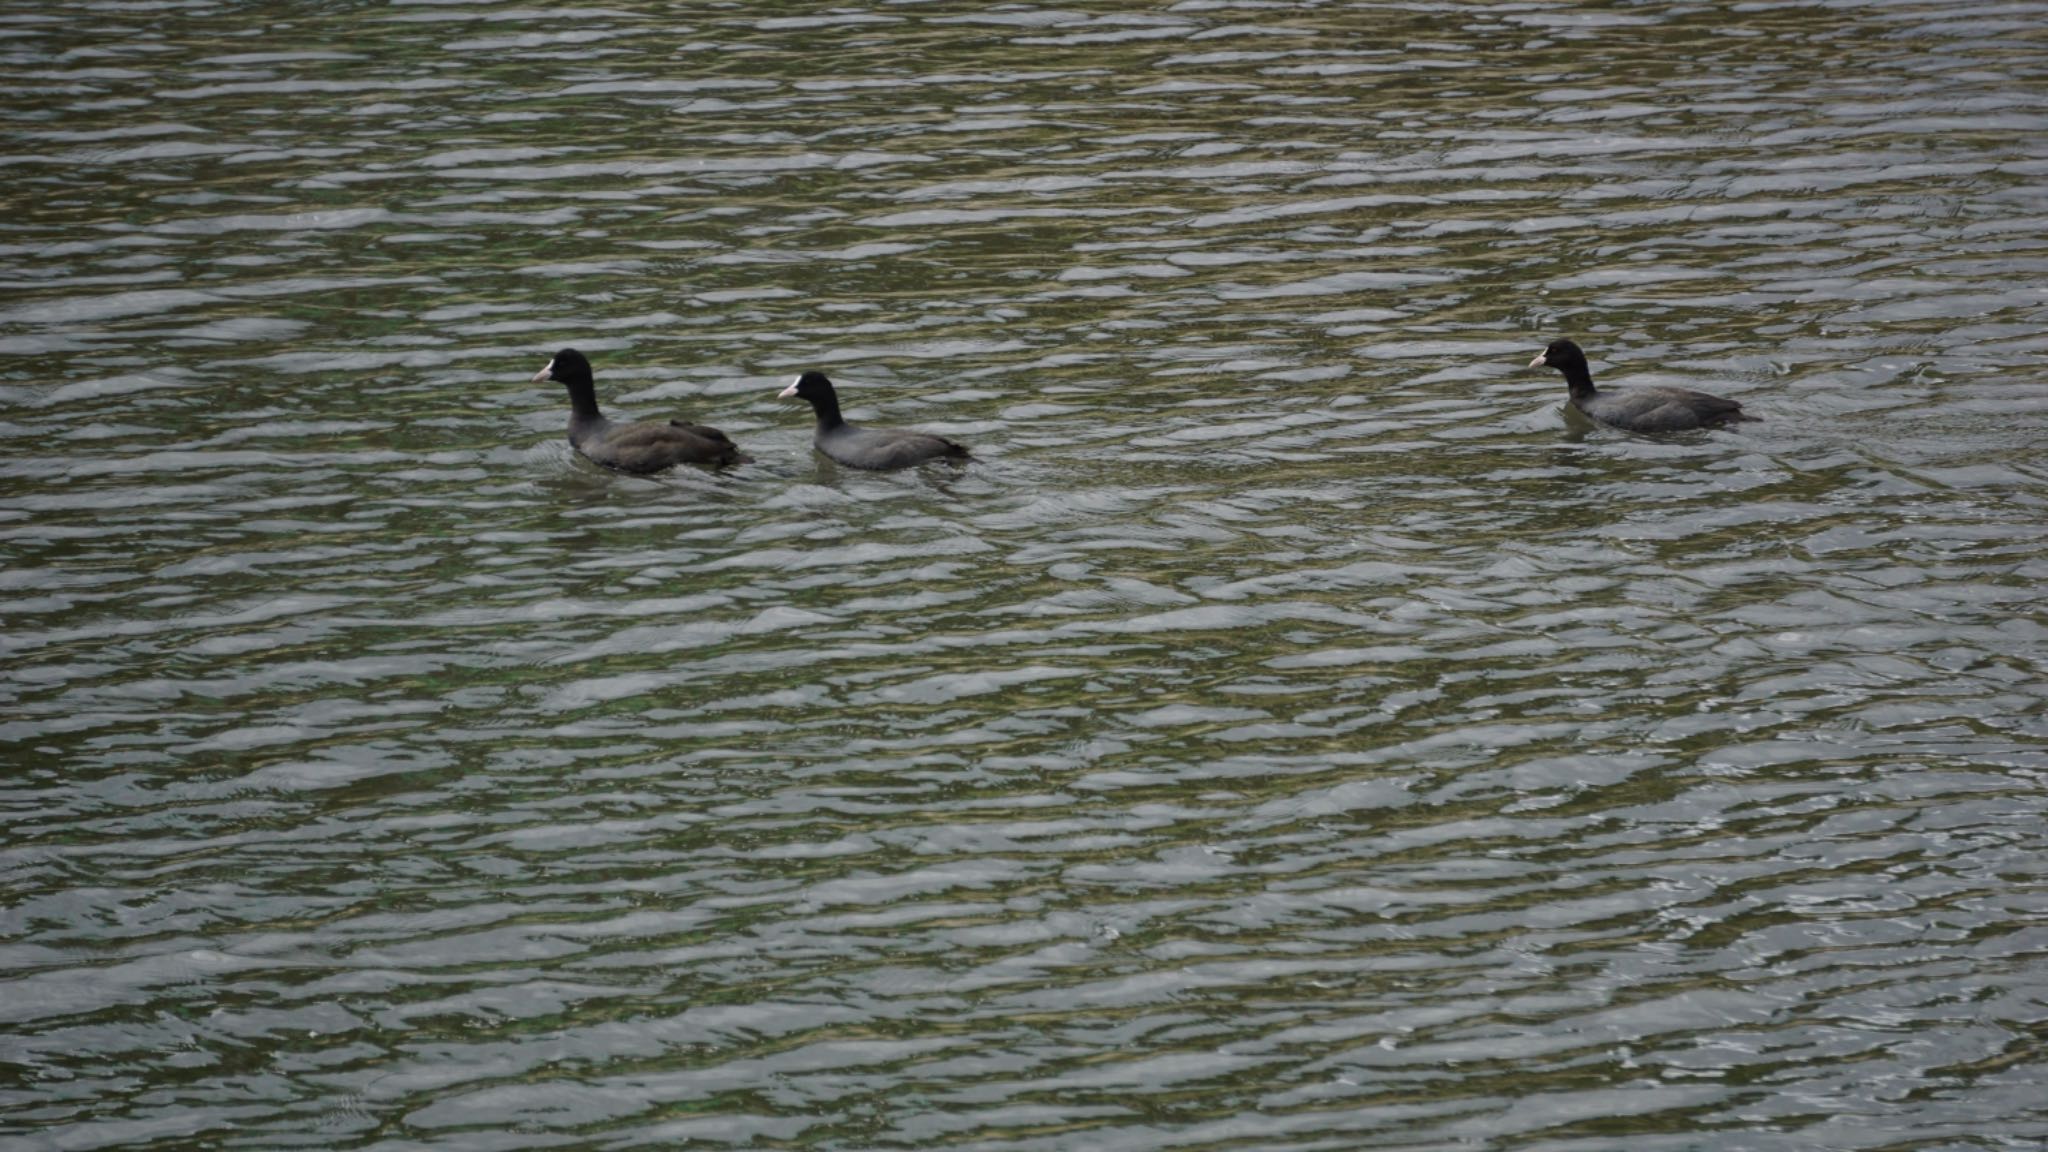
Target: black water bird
1650	409
876	449
644	447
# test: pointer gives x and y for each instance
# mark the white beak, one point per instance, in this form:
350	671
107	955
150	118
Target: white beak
547	373
1538	361
786	393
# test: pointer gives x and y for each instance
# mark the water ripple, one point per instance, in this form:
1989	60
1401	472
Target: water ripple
1294	730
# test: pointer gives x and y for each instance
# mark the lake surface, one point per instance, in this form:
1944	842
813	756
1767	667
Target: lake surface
1293	731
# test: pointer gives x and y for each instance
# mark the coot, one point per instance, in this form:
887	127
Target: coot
644	447
876	449
1652	409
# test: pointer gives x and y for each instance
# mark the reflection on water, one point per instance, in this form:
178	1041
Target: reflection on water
1292	731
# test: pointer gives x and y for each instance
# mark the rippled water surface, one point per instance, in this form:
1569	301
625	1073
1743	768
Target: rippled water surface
1293	730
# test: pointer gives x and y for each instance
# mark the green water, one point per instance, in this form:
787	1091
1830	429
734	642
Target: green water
1293	731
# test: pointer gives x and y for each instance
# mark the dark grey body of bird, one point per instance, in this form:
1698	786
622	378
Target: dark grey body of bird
641	448
1649	409
875	449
